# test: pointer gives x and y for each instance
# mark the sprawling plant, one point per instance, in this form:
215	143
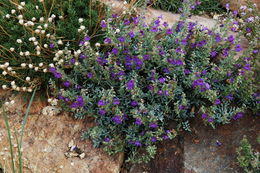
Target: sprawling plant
33	34
145	75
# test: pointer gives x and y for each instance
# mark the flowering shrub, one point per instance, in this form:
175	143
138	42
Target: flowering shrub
33	35
145	75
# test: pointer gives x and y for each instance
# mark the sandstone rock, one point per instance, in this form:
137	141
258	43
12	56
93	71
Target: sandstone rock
235	4
45	141
51	110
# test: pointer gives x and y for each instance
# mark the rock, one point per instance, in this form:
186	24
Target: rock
45	141
235	4
51	110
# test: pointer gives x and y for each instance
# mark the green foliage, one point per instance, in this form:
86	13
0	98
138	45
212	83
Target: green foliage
247	158
146	75
19	142
42	28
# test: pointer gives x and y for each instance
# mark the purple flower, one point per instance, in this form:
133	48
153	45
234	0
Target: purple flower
90	75
227	6
130	84
230	97
153	139
231	39
165	24
182	107
138	143
154	29
146	57
218	38
255	51
201	43
162	80
168	31
238	115
66	84
138	121
127	22
116	101
213	53
82	56
134	103
153	125
218	143
121	39
107	41
102	112
210	120
165	137
87	38
51	45
180	26
115	51
101	103
117	119
106	139
187	71
235	12
52	69
103	24
225	52
247	67
204	116
135	20
217	102
57	75
131	34
238	48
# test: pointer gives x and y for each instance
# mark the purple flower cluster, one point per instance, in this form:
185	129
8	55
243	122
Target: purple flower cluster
78	103
117	119
56	74
202	84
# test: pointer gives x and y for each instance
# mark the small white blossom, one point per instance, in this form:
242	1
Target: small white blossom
45	70
61	17
19	7
24	88
37	7
76	63
50	19
38	52
60	42
19	41
48	36
13	11
36	68
86	43
41	19
13	83
42	31
8	16
30	66
6	64
27	53
45	45
80	20
7	103
27	78
117	30
20	16
11	49
12	102
21	54
38	48
4	73
22	3
60	52
29	90
97	44
13	72
9	68
35	43
33	19
41	64
45	25
37	31
51	65
53	16
17	88
125	2
82	27
4	87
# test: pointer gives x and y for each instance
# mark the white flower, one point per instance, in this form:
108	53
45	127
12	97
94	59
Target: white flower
38	48
29	90
82	27
37	31
24	88
19	41
76	63
13	72
60	42
60	52
23	65
41	19
35	43
20	7
6	64
13	83
2	66
30	66
97	54
53	16
50	19
20	16
61	17
41	64
86	43
117	30
27	78
27	53
4	87
21	54
11	49
45	70
42	31
12	102
51	65
22	3
7	103
13	11
80	20
38	52
37	7
45	45
9	68
48	35
79	30
97	44
36	68
243	7
4	73
17	88
125	2
33	19
8	16
45	25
